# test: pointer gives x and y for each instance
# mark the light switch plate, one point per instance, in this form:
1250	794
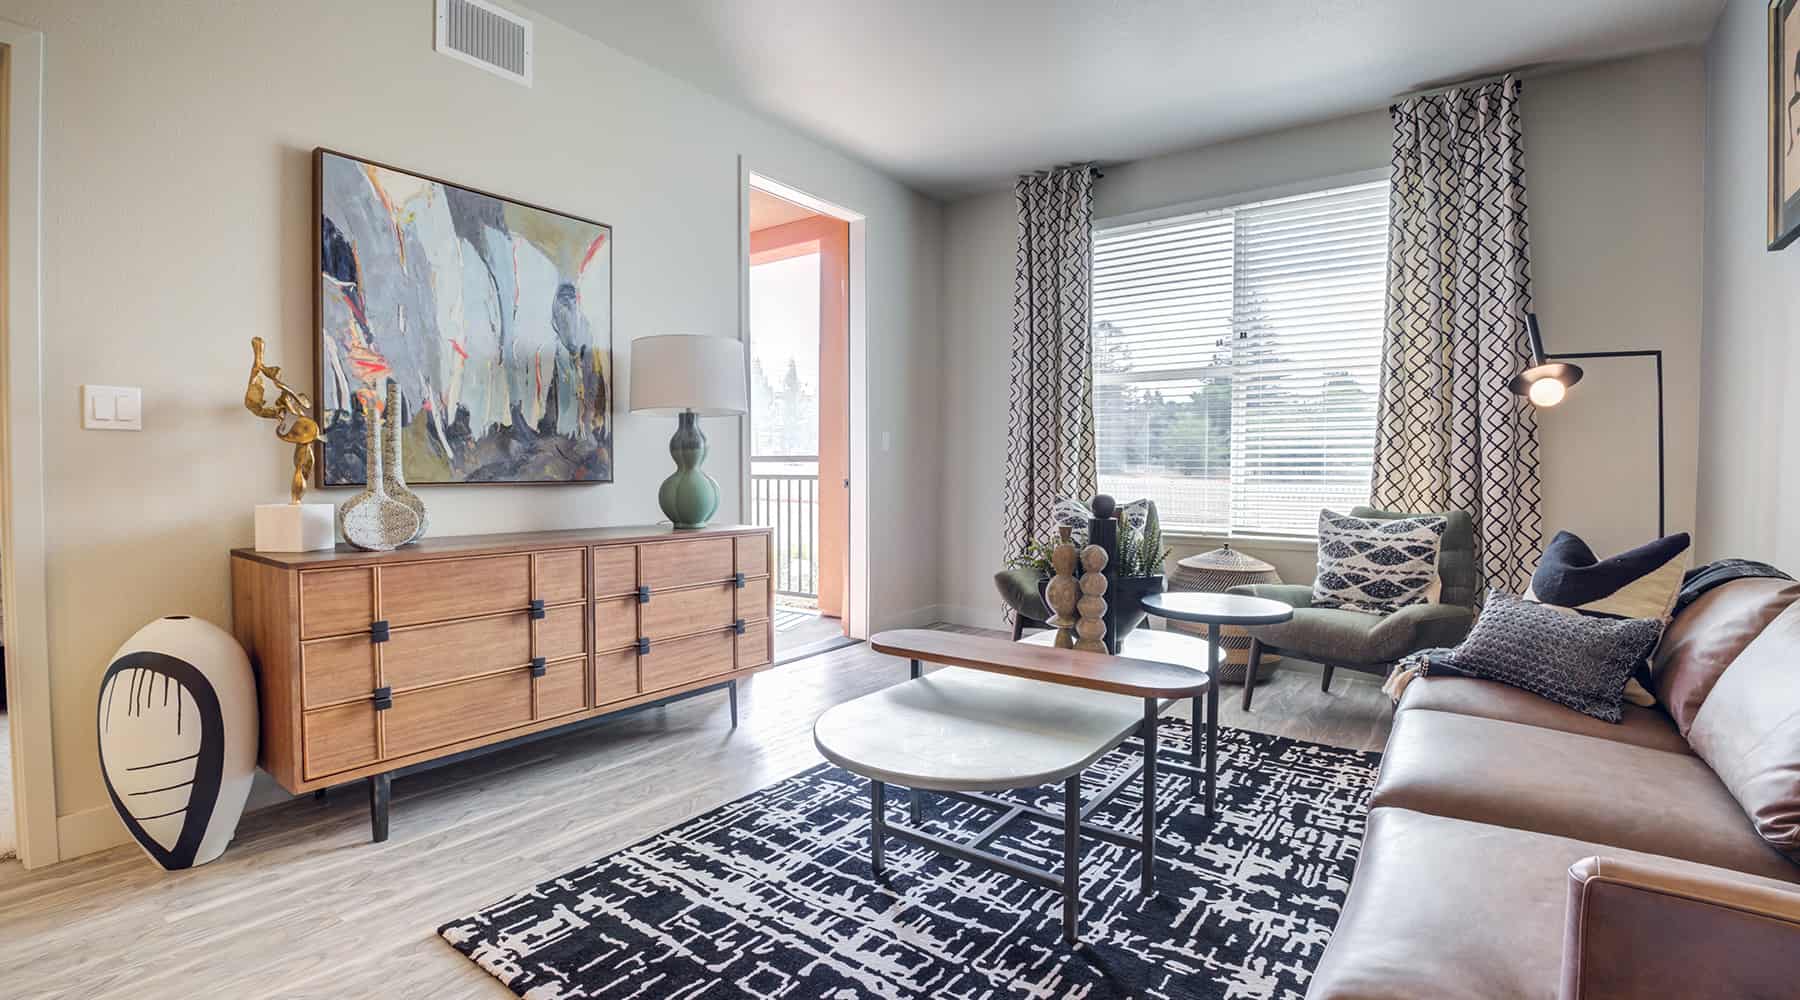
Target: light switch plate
112	408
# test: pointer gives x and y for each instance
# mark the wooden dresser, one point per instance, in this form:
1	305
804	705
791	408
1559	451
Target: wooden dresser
369	663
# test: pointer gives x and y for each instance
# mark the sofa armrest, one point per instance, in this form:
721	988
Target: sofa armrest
1642	929
1297	595
1428	625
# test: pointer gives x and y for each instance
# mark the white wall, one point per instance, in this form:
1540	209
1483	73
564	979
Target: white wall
1613	181
178	225
1750	411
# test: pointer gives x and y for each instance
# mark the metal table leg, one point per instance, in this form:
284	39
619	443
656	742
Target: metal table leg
1212	721
877	826
1149	837
1071	878
915	668
917	806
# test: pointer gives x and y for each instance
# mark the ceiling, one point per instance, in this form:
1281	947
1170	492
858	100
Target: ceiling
957	96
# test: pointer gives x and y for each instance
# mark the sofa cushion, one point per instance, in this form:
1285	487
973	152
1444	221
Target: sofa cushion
1639	726
1748	729
1571	659
1707	635
1447	908
1569	785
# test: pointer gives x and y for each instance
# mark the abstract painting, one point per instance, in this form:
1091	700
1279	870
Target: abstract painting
1784	123
493	316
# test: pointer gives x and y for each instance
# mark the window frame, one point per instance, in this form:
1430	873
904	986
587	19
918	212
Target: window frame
1150	217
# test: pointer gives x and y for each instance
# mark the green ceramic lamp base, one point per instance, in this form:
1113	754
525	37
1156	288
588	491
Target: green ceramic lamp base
689	497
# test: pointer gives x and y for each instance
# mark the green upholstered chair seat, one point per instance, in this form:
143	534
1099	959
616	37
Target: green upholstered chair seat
1019	589
1357	638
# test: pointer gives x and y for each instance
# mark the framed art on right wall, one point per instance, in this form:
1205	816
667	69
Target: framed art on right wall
1784	122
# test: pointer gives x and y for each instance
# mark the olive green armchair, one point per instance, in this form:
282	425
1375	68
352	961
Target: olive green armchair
1358	640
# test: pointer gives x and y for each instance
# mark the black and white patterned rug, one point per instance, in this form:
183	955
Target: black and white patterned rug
771	896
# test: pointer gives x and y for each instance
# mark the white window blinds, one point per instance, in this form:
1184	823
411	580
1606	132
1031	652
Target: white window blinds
1237	359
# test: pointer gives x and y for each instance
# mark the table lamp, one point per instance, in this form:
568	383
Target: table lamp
688	376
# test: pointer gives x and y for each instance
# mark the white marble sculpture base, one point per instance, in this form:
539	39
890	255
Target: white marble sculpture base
291	527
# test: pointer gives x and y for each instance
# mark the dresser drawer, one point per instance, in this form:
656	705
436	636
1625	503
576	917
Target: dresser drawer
559	577
338	738
682	564
336	602
679	661
561	633
454	588
435	717
432	654
563	689
615	676
753	600
615	570
615	623
334	670
753	646
684	612
752	554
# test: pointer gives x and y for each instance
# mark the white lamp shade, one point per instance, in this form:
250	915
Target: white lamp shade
679	372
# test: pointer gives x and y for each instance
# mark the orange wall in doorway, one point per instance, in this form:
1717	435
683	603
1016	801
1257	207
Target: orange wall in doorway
830	238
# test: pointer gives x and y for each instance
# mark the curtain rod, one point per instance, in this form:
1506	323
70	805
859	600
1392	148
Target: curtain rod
1460	84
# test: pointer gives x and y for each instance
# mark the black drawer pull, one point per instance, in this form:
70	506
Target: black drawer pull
537	666
738	580
537	611
738	626
384	699
644	594
643	645
378	631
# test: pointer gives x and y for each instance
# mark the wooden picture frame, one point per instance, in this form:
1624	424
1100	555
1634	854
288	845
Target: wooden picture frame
493	314
1784	122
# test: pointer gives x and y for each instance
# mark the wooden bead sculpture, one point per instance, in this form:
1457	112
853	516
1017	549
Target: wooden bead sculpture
1090	630
1063	590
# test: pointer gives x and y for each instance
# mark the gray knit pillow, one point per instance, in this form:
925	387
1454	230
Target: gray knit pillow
1572	660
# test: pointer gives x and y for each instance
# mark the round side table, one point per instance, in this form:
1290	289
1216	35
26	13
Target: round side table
1215	611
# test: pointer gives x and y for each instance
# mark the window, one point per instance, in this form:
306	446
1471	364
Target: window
1237	360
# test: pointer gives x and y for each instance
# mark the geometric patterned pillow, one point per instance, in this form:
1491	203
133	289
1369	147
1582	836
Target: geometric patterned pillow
1377	566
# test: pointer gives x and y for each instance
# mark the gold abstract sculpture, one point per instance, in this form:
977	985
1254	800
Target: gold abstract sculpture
291	411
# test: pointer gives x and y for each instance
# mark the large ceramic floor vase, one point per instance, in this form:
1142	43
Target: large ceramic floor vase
177	720
372	519
393	468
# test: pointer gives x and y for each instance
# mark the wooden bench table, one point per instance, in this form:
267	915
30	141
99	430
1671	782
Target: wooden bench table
1010	715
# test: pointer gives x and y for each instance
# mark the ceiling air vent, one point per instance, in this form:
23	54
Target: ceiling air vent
482	34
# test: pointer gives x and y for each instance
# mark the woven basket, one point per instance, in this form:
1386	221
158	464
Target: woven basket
1213	573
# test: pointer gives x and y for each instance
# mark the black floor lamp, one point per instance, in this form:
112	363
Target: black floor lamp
1550	378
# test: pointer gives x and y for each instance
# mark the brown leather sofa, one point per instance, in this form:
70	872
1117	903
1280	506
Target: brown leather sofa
1516	848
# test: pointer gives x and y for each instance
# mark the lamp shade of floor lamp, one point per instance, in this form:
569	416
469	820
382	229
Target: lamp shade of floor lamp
688	376
1548	379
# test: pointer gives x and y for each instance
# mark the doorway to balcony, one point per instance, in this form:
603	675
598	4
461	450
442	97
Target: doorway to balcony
799	320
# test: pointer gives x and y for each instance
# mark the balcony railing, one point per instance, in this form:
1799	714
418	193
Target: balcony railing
784	495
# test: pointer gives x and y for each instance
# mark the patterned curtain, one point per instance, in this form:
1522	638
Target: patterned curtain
1050	418
1450	435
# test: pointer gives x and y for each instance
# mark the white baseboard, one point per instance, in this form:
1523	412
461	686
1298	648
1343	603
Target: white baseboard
88	831
918	617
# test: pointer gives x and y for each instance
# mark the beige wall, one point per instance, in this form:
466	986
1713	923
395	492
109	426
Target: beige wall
1613	180
1750	410
177	225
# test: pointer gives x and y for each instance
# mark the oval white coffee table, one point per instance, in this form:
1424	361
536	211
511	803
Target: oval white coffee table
1007	716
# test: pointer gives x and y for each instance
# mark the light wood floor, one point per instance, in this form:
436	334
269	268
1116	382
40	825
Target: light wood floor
302	905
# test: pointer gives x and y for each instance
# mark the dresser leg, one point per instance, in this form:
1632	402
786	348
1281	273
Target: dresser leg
379	788
319	794
731	692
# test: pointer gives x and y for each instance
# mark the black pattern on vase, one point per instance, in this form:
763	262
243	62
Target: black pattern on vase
176	724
